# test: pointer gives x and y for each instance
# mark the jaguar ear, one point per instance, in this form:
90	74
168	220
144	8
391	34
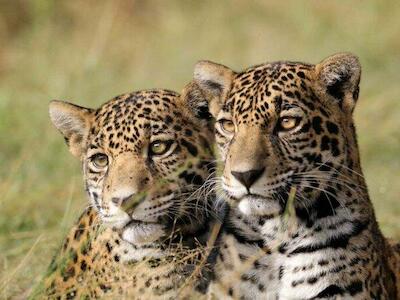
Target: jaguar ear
73	122
210	86
338	76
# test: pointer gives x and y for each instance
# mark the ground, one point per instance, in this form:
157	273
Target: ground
89	53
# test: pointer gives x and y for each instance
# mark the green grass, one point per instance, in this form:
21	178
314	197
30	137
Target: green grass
90	51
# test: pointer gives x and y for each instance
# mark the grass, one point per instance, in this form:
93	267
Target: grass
90	51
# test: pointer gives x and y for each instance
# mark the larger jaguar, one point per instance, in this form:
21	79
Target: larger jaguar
301	224
144	156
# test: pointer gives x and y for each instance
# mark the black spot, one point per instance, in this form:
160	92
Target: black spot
168	120
335	147
109	247
177	128
191	178
289	94
323	262
280	272
242	257
191	148
245	277
242	238
104	288
276	87
316	123
309	104
148	283
326	204
306	127
355	288
356	93
83	265
325	143
332	127
312	280
71	295
330	291
282	248
78	232
301	74
74	255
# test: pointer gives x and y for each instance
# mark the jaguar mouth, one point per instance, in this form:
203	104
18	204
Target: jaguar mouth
134	222
256	197
271	201
115	221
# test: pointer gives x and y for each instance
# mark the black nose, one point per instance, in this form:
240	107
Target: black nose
249	177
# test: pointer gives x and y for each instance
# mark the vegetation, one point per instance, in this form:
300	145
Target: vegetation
89	51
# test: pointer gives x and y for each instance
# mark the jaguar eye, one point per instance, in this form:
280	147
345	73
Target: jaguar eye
227	125
288	123
160	147
99	161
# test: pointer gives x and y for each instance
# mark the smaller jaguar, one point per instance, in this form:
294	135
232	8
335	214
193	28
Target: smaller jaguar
144	157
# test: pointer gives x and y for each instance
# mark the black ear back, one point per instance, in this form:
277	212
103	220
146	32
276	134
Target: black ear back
196	100
338	76
211	84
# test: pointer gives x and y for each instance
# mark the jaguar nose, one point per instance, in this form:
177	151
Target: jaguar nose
247	178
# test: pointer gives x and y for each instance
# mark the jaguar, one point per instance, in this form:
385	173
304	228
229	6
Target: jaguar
300	223
144	157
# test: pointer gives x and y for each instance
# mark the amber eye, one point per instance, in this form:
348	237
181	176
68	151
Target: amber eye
99	161
288	123
227	125
160	147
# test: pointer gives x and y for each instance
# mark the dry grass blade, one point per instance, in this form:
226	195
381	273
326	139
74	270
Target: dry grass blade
24	262
188	286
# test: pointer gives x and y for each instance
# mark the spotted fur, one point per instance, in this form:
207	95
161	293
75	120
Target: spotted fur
145	229
286	128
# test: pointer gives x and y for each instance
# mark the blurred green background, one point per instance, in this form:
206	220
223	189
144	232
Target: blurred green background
89	51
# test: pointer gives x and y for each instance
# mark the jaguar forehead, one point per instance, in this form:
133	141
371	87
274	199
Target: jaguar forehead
122	122
260	91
